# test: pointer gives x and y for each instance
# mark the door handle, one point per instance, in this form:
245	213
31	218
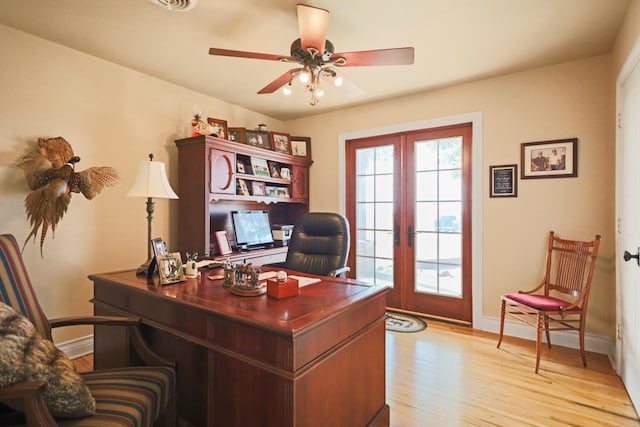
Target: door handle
627	256
410	236
396	235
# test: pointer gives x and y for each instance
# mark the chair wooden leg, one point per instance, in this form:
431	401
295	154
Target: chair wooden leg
501	323
582	352
546	330
539	341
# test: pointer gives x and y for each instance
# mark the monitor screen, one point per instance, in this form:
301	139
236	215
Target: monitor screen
252	228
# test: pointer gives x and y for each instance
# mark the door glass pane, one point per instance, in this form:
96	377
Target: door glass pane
438	217
374	215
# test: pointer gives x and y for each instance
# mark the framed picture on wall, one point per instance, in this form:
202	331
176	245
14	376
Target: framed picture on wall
219	127
301	146
236	135
549	159
281	142
503	181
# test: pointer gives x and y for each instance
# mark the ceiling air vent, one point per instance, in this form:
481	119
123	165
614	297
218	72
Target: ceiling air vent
175	5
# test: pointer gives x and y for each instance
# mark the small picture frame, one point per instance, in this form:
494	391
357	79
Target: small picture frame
219	127
285	173
260	167
240	167
274	169
281	142
282	192
301	146
243	189
237	135
549	159
272	191
223	242
503	181
170	268
159	247
258	138
259	188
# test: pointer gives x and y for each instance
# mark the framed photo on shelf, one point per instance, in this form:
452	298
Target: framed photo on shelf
223	242
219	127
258	138
282	192
301	146
260	167
503	181
272	191
243	190
259	188
274	169
170	268
236	135
549	159
240	167
281	142
285	173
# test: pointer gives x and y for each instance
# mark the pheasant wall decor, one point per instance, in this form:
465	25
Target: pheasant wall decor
51	176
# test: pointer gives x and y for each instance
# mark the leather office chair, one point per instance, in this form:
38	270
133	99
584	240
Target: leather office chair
559	303
319	245
130	396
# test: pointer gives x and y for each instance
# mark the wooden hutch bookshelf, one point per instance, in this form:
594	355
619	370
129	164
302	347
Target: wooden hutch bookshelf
210	186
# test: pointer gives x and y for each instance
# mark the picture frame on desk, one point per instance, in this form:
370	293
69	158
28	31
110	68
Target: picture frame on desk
259	188
243	189
260	167
159	247
170	268
222	239
274	169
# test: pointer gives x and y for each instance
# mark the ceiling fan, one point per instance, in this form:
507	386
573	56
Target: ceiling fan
317	59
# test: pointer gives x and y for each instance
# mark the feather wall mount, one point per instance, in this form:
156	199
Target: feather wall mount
51	176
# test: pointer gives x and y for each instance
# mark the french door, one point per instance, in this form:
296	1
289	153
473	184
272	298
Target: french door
409	206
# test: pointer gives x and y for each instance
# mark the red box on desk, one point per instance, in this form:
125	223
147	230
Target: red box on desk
282	289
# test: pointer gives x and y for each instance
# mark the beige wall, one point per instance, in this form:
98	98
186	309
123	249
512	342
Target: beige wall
115	116
111	116
562	101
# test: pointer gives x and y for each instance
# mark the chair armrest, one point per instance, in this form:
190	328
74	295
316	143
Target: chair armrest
34	407
339	272
147	355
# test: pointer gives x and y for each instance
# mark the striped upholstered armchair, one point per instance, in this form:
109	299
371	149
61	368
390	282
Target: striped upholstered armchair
131	396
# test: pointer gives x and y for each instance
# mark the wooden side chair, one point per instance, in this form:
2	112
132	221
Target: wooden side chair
560	302
130	396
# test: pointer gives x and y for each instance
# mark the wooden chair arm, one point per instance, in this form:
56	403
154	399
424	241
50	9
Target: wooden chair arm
147	355
34	407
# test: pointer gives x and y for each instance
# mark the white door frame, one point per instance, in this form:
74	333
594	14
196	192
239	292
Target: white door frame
475	118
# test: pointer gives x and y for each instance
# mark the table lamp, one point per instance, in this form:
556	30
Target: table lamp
151	183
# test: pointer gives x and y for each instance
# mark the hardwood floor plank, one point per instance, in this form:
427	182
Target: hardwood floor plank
450	375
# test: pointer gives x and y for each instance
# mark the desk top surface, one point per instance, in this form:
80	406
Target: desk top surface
315	302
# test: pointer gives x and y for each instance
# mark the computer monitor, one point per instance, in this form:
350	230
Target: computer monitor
252	229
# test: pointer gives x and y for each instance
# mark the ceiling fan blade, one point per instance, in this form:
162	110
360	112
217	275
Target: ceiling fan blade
312	23
251	55
279	82
395	56
348	87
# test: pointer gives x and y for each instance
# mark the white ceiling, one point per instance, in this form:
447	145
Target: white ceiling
455	41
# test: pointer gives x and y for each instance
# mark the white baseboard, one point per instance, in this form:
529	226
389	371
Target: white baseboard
77	347
592	342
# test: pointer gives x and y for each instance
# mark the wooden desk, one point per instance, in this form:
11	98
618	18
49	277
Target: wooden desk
317	359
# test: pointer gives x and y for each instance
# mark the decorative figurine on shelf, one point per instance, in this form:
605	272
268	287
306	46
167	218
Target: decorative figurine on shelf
199	127
262	127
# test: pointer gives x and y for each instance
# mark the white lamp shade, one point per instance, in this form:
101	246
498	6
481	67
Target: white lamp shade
152	182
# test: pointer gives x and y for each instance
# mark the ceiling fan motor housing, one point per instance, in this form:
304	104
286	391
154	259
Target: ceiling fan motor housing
305	56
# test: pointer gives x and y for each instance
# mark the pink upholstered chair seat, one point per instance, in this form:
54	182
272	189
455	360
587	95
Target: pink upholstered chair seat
539	302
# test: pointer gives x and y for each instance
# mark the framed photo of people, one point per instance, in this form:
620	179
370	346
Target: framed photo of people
549	159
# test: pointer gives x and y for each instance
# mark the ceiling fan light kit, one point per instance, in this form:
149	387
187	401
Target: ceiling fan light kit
319	64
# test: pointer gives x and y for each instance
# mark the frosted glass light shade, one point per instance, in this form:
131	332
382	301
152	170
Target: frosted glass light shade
152	182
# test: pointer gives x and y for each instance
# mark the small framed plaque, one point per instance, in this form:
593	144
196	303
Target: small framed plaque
503	181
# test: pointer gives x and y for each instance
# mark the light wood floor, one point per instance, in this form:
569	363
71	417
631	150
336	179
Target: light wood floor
449	375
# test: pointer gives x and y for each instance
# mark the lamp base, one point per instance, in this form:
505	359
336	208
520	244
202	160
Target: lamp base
144	268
